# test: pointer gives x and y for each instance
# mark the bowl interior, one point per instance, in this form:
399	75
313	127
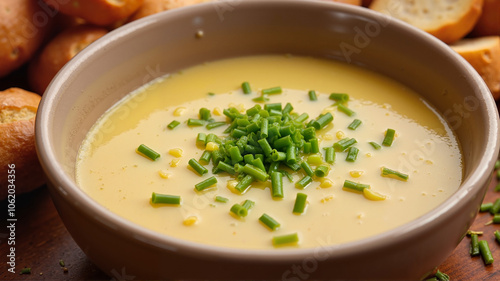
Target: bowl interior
144	50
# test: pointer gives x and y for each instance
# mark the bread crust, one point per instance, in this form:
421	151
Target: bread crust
448	31
489	21
151	7
59	51
99	12
23	27
17	144
483	53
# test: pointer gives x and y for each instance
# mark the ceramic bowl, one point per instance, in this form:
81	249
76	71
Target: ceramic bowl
141	51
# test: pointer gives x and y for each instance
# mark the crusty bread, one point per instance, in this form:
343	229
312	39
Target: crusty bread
150	7
99	12
20	35
17	144
489	21
58	52
352	2
483	53
447	20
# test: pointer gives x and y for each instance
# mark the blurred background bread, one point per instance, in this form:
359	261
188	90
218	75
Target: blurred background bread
17	144
23	28
489	21
99	12
447	20
483	53
59	51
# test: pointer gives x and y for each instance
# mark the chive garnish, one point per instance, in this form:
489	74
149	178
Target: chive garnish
214	125
272	91
276	184
329	155
354	186
341	98
304	182
307	168
497	235
321	171
205	183
245	86
244	183
322	121
312	95
197	167
204	113
148	152
157	198
195	122
268	221
386	172
354	124
173	124
496	207
352	154
389	137
485	207
286	239
26	270
474	245
205	157
221	199
345	109
239	210
375	145
300	203
485	251
344	144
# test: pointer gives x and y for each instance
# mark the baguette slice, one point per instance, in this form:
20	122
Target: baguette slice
447	20
489	21
483	53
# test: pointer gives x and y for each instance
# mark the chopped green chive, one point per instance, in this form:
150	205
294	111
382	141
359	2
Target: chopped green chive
221	199
342	98
248	204
286	239
496	207
474	245
321	171
497	235
276	184
389	137
307	168
386	172
442	276
354	124
300	203
26	270
329	155
157	198
244	183
245	86
344	144
239	210
322	121
312	95
195	122
375	145
268	221
354	186
173	124
352	154
255	172
486	207
197	167
304	182
485	251
148	152
272	91
345	109
205	157
214	125
204	113
205	183
201	139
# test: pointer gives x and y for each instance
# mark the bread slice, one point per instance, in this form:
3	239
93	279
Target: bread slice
489	21
448	20
483	53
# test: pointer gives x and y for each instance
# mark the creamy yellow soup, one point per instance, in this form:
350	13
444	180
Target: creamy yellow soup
111	171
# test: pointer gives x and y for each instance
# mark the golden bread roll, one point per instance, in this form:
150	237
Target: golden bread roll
99	12
489	21
23	27
448	21
18	156
150	7
483	53
58	52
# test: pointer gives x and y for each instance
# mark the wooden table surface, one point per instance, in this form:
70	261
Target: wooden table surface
42	240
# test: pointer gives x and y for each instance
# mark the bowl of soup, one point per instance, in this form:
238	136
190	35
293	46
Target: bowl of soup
268	139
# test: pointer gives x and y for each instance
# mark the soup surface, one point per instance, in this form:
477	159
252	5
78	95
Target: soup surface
112	172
